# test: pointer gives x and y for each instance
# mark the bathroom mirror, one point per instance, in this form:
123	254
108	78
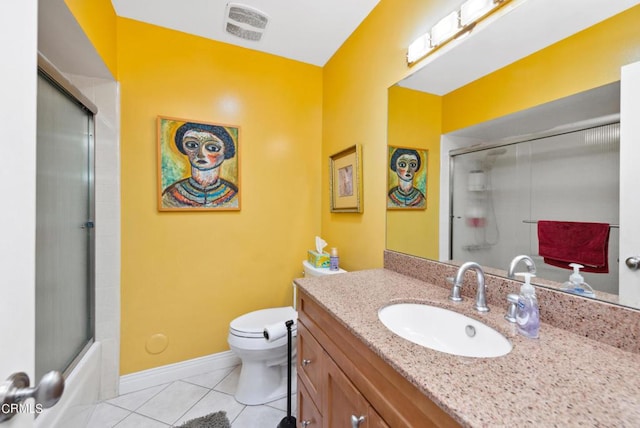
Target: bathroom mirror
498	178
558	161
489	185
507	170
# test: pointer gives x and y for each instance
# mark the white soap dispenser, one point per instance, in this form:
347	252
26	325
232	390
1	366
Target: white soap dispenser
528	313
576	284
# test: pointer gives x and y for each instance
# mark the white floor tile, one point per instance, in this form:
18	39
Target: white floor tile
137	421
107	416
190	398
230	383
173	402
258	417
281	404
136	399
213	402
211	379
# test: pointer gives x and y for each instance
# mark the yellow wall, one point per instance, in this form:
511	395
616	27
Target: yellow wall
586	60
187	275
355	102
98	20
355	83
415	122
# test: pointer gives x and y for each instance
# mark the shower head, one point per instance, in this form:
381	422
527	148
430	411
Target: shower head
491	156
497	151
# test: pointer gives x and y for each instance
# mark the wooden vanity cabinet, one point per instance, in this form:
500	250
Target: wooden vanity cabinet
340	378
307	410
343	402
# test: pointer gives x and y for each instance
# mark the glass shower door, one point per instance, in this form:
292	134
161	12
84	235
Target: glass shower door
64	308
499	194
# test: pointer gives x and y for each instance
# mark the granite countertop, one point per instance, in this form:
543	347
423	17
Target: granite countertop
560	379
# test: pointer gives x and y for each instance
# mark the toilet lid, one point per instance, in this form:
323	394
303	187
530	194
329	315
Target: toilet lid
253	323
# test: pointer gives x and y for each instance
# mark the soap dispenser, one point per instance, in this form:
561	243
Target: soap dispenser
528	314
576	284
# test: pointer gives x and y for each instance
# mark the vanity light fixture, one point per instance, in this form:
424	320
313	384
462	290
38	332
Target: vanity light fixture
446	28
452	26
474	9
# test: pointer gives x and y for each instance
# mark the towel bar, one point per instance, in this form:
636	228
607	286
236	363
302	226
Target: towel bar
614	226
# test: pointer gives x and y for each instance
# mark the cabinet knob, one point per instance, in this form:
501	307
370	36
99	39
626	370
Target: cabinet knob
306	423
306	362
356	421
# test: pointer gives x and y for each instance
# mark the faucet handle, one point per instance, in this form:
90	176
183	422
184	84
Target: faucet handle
512	308
455	292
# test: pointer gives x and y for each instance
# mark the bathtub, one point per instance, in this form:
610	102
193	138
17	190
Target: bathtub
80	396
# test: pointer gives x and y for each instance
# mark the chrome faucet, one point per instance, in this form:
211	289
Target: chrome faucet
481	300
531	266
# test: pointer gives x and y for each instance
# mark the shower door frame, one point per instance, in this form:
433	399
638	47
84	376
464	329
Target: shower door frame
55	78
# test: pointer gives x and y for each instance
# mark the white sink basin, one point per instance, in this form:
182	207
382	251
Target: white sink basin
444	330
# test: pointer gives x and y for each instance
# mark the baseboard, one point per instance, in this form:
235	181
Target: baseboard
172	372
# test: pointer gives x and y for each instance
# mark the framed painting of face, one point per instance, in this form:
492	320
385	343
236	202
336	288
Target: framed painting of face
198	166
407	178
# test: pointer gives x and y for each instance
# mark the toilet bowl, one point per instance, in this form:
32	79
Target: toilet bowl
263	375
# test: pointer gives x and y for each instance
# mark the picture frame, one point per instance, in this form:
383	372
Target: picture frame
407	178
198	165
345	180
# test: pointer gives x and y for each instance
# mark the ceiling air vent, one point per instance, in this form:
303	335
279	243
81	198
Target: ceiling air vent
245	22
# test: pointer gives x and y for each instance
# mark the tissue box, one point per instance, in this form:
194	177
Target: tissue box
316	259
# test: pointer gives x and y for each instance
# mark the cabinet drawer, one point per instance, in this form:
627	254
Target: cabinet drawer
342	400
308	414
310	364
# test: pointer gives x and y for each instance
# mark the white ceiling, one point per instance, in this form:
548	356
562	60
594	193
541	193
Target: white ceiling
309	31
518	30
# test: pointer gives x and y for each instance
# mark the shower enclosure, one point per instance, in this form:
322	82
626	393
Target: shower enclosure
499	193
64	229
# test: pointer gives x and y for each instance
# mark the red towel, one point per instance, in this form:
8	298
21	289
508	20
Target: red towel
564	242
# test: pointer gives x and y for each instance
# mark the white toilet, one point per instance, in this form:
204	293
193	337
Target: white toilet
263	376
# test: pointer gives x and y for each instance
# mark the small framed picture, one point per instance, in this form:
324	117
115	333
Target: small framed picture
345	180
407	178
198	166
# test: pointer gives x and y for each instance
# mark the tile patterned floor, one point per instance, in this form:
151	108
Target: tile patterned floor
177	402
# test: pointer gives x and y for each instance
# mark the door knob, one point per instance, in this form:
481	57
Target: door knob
633	263
16	389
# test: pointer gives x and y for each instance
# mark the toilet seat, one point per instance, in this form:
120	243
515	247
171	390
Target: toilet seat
252	325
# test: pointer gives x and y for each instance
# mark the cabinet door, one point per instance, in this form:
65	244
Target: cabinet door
308	414
375	420
310	364
343	403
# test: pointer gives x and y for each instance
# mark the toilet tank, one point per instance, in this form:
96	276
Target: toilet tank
311	271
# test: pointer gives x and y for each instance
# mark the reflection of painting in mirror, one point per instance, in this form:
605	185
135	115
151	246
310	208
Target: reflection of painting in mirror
407	178
414	120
